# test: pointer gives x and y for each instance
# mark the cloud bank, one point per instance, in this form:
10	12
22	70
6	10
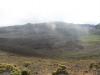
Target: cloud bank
14	12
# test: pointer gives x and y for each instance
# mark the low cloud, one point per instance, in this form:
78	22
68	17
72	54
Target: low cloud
14	12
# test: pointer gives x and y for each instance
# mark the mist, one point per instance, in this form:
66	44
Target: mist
55	29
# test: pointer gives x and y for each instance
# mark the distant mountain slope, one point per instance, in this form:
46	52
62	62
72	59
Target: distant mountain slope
97	26
55	29
42	37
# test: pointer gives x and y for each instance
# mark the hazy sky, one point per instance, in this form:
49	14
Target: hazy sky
13	12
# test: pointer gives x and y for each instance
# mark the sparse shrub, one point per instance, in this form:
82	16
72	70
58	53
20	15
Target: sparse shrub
25	72
97	66
91	65
55	64
61	70
39	59
5	67
94	65
82	60
13	69
16	71
63	63
49	64
2	70
20	71
26	64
